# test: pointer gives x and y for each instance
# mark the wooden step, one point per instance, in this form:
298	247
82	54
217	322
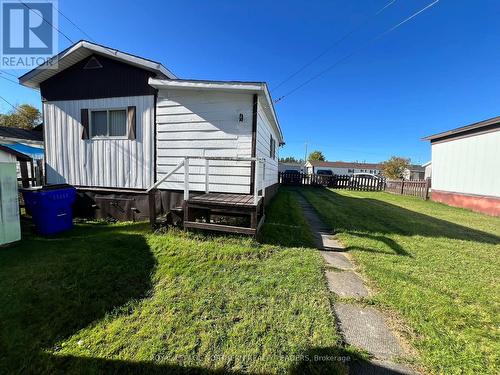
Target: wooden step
219	227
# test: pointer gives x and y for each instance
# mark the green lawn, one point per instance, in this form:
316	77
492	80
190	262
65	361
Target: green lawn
436	267
116	298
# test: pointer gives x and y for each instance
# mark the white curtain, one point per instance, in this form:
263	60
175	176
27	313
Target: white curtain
117	123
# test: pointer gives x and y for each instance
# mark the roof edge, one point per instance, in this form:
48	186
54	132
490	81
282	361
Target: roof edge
467	128
100	49
189	84
234	86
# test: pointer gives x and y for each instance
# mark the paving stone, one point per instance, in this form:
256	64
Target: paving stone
346	284
376	367
337	260
365	328
328	242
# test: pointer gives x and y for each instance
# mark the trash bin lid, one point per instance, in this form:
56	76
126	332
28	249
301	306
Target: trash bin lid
47	187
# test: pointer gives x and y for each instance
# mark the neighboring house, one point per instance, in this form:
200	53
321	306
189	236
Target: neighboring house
466	166
414	172
427	170
343	168
27	147
33	138
116	123
290	166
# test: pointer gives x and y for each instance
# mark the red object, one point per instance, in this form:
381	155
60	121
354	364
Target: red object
478	203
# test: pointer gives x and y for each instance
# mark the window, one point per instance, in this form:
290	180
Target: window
272	147
109	123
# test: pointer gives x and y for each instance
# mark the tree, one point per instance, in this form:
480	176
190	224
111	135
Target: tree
316	156
395	167
291	159
23	116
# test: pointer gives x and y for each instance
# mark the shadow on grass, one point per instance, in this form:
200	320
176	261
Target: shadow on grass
373	218
52	287
328	361
84	366
399	250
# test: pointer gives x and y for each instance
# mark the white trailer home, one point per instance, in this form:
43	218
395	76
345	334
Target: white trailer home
137	141
466	166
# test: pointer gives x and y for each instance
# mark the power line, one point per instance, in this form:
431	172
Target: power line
16	83
75	25
8	79
342	59
9	103
10	74
16	108
43	18
336	43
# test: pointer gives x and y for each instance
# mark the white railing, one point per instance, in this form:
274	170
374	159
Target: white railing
258	179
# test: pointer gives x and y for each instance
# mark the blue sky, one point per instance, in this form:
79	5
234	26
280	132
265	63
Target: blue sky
439	71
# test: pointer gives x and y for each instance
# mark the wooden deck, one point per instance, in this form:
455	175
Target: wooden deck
222	199
199	210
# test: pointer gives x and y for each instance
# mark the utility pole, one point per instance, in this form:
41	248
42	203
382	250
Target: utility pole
305	155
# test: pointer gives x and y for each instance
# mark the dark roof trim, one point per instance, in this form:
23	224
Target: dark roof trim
81	50
20	156
21	134
475	128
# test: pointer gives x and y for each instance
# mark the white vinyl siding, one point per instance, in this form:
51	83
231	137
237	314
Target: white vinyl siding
263	148
468	165
204	123
116	163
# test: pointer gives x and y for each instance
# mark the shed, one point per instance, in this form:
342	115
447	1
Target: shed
29	169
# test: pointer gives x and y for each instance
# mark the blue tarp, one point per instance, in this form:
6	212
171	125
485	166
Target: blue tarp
32	152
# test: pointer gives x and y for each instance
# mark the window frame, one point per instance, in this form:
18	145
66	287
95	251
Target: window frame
107	110
272	147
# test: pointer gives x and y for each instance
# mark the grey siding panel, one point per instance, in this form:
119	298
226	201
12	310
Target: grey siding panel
119	163
264	130
196	123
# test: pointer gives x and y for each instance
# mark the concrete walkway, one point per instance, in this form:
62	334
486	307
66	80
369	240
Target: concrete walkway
361	327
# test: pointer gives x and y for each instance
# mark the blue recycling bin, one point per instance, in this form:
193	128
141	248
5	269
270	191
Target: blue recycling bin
51	207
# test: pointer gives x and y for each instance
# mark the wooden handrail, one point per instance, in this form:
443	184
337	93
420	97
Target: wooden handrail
257	181
157	183
185	163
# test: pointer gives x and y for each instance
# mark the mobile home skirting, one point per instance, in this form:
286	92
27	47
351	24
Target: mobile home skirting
128	205
483	204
